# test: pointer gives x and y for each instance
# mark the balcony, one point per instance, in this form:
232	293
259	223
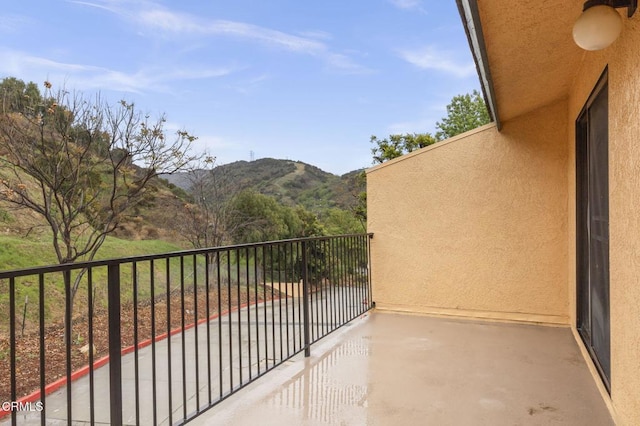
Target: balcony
281	333
160	339
388	368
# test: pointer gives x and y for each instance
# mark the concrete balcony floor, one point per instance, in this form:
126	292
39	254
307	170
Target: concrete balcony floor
393	369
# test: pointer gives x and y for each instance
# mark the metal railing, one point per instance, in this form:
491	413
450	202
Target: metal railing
162	338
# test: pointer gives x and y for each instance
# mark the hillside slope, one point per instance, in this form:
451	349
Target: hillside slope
160	217
289	182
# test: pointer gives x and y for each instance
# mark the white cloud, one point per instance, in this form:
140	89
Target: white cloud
26	66
93	77
345	64
248	86
145	80
431	58
13	23
406	4
161	20
409	5
319	35
109	5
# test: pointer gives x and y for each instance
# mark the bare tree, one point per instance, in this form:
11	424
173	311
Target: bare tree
82	165
210	214
211	218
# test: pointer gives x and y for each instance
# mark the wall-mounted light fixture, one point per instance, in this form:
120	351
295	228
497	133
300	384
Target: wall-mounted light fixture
600	24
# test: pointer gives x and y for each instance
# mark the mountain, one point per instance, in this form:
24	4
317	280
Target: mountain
289	182
162	214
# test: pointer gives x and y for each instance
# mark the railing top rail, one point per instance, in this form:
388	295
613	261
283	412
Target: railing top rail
15	273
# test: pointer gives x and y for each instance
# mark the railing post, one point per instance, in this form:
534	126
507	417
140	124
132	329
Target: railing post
305	299
12	341
67	339
372	303
115	361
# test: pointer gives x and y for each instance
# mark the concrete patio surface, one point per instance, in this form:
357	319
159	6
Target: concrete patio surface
394	369
380	369
242	344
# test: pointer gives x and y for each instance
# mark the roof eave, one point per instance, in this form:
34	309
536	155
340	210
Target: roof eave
470	16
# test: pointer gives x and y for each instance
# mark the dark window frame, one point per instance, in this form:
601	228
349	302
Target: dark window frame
583	308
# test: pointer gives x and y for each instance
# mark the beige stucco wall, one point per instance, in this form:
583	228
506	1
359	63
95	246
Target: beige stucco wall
476	225
623	60
484	224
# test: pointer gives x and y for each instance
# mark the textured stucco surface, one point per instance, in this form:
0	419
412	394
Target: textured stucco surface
484	224
535	62
623	61
530	50
477	225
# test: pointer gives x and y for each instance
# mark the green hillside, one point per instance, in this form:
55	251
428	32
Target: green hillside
157	225
291	183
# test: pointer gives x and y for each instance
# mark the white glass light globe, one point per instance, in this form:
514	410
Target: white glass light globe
597	27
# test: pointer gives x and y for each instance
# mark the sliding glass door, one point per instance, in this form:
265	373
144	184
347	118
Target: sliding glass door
592	227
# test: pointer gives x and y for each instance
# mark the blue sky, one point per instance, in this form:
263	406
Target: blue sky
308	81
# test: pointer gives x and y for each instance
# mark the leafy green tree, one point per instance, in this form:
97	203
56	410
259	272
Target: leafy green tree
359	209
338	221
464	113
397	145
256	217
18	96
311	226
